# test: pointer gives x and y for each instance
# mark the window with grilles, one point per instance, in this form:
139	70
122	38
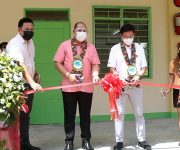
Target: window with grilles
107	22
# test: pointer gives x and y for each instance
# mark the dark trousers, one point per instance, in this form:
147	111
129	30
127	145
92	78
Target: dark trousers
176	104
24	122
70	101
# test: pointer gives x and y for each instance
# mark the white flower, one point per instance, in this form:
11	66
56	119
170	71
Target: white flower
16	78
2	80
12	63
9	85
19	87
22	87
2	67
1	90
2	101
2	110
10	97
10	75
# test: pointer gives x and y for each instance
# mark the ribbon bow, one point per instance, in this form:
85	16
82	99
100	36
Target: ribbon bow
113	86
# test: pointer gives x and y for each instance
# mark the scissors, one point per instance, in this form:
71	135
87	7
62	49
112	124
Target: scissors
162	94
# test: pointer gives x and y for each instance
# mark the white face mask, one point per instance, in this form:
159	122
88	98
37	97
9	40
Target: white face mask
81	36
128	41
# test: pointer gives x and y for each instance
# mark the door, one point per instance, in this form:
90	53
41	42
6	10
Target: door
47	106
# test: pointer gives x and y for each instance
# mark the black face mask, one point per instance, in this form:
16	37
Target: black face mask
28	35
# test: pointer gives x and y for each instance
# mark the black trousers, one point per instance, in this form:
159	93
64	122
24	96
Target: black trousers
175	98
24	122
70	101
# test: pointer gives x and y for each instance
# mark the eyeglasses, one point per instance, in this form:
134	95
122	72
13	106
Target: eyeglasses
81	30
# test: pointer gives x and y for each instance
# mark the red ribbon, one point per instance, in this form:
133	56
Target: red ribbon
84	84
160	85
56	88
113	86
24	107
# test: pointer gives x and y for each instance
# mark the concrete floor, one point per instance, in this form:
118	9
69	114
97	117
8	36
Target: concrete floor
162	134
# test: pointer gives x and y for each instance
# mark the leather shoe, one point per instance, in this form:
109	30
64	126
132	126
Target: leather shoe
118	146
30	147
87	145
69	146
144	145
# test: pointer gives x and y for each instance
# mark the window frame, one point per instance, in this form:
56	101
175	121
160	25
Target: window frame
121	20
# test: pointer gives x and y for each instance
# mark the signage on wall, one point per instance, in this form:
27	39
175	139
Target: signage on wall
177	3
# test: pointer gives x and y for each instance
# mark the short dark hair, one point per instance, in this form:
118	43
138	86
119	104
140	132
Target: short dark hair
3	44
126	28
75	25
24	20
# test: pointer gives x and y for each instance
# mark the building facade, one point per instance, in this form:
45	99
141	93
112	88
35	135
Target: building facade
54	20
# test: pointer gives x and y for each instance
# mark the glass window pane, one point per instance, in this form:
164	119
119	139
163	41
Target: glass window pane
107	12
135	13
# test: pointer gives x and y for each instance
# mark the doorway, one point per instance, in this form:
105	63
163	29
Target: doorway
49	32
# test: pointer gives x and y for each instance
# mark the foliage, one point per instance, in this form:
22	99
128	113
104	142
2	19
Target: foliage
11	88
